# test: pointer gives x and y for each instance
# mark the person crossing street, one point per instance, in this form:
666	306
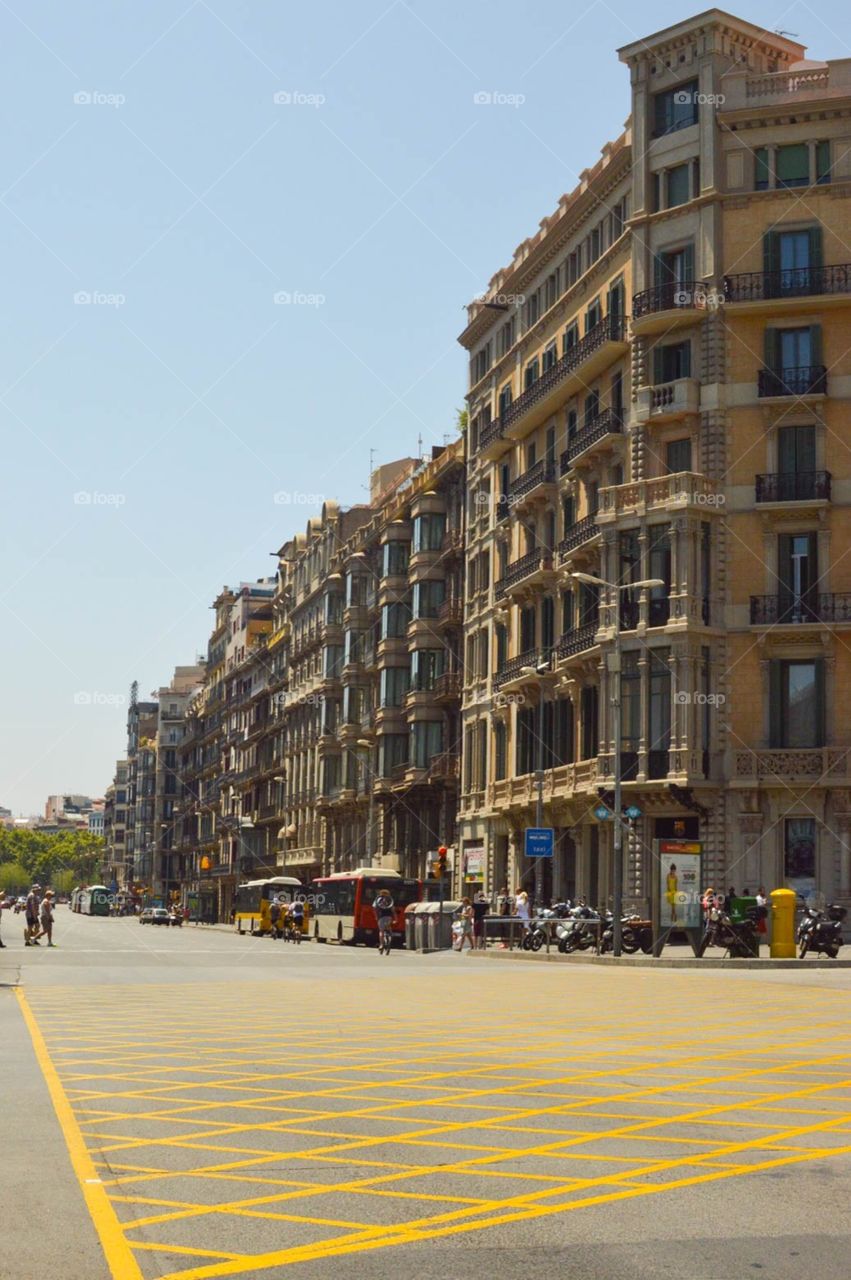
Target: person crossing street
31	917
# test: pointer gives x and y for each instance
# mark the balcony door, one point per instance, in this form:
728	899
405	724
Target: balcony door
796	463
674	277
791	259
797	574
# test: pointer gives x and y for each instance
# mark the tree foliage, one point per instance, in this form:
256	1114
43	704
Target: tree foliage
43	856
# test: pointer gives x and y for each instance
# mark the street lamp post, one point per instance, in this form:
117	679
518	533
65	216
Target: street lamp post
370	820
540	672
615	669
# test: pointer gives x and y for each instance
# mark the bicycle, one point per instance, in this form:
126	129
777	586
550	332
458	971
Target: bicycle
385	939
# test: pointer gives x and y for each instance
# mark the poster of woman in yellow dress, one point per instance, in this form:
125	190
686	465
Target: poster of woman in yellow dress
671	890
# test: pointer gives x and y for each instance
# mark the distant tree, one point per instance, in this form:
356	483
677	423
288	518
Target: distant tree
13	878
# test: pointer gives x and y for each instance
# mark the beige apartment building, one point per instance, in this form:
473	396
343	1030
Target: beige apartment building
656	392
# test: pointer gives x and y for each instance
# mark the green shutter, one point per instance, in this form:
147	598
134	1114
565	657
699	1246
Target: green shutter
816	351
820	703
688	267
775	704
661	274
658	378
770	252
772	348
815	247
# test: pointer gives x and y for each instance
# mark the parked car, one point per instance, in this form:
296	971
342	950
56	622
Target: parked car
154	915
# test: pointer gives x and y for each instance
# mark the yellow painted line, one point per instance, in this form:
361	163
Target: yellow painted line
119	1256
244	1259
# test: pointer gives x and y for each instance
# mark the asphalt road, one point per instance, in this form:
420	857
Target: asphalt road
191	1103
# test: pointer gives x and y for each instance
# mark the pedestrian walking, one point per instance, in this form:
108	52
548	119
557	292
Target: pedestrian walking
31	916
481	908
466	921
275	916
47	916
762	908
522	905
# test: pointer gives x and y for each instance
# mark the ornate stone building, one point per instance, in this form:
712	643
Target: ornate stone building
654	393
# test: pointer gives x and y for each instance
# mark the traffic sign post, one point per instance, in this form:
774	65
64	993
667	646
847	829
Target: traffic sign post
539	842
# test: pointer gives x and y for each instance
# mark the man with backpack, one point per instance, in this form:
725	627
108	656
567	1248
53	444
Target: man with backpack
32	910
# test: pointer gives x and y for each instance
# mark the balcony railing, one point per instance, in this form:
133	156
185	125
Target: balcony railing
826	607
540	558
611	329
609	422
448	685
451	612
444	765
577	640
543	472
791	282
514	667
793	486
491	432
803	380
581	531
669	297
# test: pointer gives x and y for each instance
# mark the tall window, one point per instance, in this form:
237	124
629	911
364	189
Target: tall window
799	855
395	557
659	714
428	597
394	620
426	742
659	561
395	682
426	666
547	622
797	574
589	712
499	750
428	532
675	108
797	703
678	455
630	714
392	751
796	450
527	629
531	373
671	362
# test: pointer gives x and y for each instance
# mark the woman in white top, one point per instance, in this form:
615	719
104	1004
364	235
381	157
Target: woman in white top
522	905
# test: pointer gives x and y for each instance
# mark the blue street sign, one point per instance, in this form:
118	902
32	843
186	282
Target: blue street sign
539	842
602	813
633	812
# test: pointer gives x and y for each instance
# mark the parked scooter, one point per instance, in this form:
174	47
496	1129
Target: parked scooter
579	932
821	931
740	940
538	931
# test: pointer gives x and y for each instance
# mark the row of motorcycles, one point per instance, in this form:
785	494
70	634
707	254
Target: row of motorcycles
580	928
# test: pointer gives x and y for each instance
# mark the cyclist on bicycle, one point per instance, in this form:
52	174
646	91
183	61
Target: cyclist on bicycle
296	918
383	907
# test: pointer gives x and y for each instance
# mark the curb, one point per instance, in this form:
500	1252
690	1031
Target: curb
663	962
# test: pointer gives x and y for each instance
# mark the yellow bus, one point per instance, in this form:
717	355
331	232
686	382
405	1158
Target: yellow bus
254	898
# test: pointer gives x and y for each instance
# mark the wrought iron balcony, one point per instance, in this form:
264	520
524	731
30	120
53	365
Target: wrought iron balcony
513	669
578	533
802	380
793	486
610	329
791	282
445	765
451	612
685	294
448	685
543	472
532	562
812	607
607	423
577	640
491	433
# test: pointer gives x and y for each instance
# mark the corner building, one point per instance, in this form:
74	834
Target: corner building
656	388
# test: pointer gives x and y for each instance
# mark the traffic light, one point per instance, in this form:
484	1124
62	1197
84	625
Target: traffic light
441	861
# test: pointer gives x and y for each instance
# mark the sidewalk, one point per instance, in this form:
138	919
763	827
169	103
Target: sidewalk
665	961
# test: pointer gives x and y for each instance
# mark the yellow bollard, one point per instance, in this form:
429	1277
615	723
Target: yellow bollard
783	903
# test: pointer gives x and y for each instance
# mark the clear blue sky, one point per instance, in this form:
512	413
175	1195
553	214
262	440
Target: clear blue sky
183	192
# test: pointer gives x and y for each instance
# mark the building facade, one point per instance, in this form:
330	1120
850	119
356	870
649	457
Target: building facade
655	393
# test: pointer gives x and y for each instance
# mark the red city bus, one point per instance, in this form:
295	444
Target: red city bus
341	904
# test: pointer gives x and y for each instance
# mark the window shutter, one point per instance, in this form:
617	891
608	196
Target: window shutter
816	354
771	340
820	703
775	697
815	246
658	374
770	252
688	264
661	274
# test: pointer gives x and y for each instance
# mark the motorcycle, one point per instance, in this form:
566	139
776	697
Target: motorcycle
821	931
536	935
740	940
579	932
636	935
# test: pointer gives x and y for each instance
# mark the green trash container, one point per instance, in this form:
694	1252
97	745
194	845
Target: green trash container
739	908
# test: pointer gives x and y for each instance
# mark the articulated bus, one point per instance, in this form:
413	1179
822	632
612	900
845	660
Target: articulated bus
254	897
93	901
342	903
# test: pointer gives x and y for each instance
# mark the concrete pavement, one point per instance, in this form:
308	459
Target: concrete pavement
236	1106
